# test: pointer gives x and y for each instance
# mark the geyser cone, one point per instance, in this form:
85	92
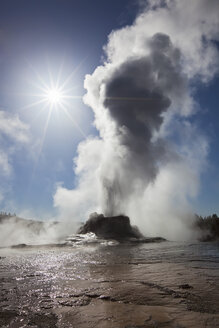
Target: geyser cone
110	227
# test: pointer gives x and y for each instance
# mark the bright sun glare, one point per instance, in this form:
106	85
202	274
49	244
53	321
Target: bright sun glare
54	96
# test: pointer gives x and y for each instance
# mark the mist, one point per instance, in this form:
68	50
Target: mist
17	231
148	158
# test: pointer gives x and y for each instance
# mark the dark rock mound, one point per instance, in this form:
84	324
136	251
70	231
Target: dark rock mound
19	246
114	227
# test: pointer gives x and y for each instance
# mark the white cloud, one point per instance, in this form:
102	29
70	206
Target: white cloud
13	134
4	164
12	127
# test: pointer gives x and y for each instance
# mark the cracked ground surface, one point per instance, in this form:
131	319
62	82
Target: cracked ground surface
123	286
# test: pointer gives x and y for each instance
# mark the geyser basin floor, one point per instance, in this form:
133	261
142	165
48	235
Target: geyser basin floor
150	285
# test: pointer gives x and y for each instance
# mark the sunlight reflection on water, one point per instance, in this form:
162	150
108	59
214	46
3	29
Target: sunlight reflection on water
37	279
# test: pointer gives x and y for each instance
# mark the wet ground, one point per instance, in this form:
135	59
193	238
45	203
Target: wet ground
110	286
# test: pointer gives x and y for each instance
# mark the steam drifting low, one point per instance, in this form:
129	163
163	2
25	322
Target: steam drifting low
146	162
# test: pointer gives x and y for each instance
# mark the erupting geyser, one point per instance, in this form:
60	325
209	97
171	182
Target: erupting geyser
149	153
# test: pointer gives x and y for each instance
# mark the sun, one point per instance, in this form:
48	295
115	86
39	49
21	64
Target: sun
53	91
54	96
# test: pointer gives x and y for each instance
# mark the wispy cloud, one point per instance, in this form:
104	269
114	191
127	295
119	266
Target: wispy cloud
13	134
12	127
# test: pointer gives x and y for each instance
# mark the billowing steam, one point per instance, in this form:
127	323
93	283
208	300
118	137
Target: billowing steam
148	158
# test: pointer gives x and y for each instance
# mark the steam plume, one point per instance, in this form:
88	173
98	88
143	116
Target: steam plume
142	100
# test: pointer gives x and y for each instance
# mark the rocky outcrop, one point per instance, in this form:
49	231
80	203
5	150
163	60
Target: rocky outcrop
114	227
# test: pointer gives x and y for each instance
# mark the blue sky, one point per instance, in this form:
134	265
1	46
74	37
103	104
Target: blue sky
37	38
208	118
